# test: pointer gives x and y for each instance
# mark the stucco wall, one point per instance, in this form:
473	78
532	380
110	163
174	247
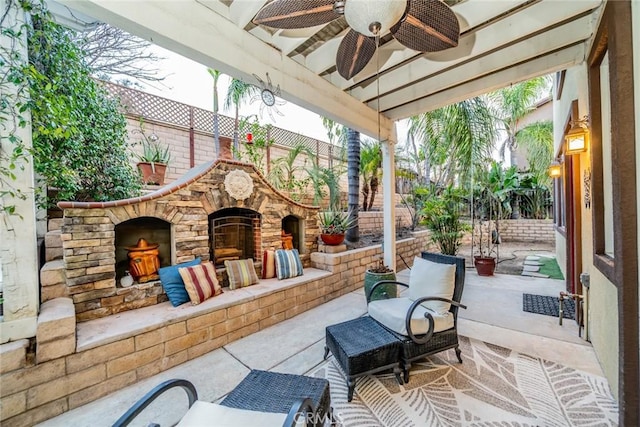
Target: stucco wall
602	314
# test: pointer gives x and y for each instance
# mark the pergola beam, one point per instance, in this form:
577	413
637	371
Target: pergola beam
181	26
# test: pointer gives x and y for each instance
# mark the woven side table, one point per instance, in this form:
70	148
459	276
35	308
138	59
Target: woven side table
361	347
275	392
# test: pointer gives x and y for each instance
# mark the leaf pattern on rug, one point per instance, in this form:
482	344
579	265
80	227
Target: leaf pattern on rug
494	375
434	404
575	396
477	393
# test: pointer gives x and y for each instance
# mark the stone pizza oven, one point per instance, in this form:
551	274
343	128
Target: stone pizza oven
217	211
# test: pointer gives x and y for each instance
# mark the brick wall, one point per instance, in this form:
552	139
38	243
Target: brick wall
527	230
36	388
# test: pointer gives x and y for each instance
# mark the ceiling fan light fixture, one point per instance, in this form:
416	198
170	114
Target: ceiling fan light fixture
364	16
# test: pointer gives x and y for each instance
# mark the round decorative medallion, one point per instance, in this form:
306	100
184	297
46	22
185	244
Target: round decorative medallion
238	184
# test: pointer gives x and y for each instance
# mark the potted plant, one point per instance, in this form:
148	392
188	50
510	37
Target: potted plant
442	215
334	225
152	162
376	274
492	196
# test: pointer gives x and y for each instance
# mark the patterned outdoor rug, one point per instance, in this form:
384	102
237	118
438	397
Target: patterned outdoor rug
548	305
494	386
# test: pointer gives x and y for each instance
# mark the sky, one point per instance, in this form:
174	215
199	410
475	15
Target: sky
189	82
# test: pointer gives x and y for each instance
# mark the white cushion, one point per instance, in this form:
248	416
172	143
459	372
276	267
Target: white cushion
393	312
432	279
211	414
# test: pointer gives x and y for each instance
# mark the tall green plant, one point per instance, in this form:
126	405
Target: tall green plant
287	172
238	93
370	167
79	135
454	139
442	213
512	104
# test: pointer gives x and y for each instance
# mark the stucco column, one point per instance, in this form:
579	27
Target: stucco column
18	248
389	199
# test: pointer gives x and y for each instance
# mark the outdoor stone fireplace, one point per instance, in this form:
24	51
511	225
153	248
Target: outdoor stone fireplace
219	210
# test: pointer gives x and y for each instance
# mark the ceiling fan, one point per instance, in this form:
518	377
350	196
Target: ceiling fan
422	25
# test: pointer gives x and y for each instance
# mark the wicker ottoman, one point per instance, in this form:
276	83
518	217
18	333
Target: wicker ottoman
361	347
275	392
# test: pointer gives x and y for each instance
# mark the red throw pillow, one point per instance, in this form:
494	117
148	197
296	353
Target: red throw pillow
200	281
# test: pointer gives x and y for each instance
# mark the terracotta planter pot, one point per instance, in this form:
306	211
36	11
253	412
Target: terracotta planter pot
485	266
332	239
152	173
382	291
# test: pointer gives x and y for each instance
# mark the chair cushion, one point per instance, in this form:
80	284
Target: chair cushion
288	263
432	279
173	284
268	264
241	273
211	414
393	312
200	281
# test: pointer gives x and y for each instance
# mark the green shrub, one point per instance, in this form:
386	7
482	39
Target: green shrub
79	135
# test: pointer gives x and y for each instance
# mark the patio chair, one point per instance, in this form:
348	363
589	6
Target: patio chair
425	321
260	400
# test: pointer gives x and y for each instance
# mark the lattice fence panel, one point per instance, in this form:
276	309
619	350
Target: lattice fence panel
164	110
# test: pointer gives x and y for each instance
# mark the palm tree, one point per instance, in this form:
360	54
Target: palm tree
216	121
370	164
336	134
353	179
537	139
285	172
513	103
455	138
238	93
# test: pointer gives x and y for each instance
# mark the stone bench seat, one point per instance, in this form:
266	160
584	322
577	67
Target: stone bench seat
268	302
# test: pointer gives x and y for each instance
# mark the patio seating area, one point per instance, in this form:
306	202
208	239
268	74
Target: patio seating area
296	345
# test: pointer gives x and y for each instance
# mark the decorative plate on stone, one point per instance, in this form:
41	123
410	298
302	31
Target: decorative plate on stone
238	184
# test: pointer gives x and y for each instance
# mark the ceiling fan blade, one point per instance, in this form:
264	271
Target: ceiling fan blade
428	26
290	14
354	53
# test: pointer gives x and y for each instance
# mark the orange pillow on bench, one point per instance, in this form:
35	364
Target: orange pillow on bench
201	282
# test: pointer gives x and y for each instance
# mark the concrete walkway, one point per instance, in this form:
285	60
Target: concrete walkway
296	346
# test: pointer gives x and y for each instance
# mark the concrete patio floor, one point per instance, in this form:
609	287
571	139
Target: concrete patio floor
296	346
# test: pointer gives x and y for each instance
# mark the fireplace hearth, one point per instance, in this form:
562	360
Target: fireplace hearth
218	211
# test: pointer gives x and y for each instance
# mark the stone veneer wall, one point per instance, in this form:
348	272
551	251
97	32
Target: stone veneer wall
45	376
88	235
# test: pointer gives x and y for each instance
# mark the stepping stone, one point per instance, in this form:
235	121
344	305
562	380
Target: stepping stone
546	256
530	268
532	258
527	262
534	274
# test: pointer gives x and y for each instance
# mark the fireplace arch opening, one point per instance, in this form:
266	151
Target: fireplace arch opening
234	234
127	234
292	225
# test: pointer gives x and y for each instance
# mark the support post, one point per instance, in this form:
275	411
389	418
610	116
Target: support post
18	242
389	199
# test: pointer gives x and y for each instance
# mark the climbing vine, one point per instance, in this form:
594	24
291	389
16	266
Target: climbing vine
78	133
13	104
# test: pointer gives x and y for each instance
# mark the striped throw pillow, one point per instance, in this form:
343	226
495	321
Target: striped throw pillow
268	264
200	281
288	263
241	273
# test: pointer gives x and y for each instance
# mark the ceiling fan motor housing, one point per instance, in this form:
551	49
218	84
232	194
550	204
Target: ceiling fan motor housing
366	15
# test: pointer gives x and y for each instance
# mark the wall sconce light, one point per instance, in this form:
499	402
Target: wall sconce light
577	137
555	169
249	138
